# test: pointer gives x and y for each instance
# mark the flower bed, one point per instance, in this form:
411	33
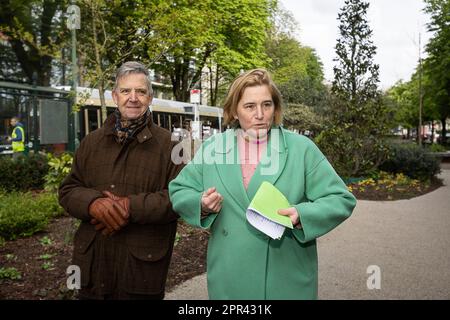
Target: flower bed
386	186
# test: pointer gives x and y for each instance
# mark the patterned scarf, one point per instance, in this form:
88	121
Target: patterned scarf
127	129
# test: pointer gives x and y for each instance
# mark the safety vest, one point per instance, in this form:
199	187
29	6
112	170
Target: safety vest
18	146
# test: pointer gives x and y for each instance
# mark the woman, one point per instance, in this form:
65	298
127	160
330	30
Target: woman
215	190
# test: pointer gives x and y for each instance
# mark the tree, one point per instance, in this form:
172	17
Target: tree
225	35
405	98
353	140
10	69
296	69
35	32
356	75
302	118
114	32
437	64
298	73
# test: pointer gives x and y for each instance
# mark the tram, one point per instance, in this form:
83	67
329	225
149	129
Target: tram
169	114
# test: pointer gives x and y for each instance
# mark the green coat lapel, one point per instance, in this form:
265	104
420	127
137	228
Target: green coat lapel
272	162
226	160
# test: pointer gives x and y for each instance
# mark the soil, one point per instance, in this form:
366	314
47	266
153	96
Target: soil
398	193
44	277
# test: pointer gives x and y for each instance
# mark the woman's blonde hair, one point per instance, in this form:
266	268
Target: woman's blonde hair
255	77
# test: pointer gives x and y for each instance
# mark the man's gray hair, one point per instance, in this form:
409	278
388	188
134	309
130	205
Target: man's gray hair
133	67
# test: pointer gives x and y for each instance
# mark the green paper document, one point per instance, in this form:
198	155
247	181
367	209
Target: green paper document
262	213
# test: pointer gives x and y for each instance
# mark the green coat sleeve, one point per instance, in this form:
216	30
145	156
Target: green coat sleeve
330	202
186	190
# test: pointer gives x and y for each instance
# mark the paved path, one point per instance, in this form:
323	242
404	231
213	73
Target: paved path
409	240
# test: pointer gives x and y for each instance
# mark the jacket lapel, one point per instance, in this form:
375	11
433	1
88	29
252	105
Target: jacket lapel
272	163
226	160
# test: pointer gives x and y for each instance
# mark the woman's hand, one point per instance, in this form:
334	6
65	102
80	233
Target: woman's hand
211	201
293	215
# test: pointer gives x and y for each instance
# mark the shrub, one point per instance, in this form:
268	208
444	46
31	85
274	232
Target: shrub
411	160
10	273
23	174
437	148
352	155
59	168
23	214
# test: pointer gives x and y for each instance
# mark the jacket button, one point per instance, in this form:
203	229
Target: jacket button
113	186
224	232
149	256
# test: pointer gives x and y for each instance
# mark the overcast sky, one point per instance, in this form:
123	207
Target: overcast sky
396	25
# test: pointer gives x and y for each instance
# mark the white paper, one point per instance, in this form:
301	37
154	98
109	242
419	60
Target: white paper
270	228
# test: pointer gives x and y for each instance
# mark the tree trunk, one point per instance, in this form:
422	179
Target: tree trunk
418	133
98	62
175	77
215	93
101	93
44	72
182	79
444	131
49	11
432	131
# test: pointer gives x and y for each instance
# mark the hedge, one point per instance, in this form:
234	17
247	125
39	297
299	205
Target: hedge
411	160
23	214
23	174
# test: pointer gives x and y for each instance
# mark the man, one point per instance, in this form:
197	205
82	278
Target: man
17	137
118	189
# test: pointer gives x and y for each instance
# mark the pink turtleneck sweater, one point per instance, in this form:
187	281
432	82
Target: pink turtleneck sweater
250	153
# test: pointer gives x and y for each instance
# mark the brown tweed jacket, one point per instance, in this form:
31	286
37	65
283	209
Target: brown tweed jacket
135	259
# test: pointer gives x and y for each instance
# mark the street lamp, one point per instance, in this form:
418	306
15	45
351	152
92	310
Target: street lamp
73	23
36	143
196	125
420	93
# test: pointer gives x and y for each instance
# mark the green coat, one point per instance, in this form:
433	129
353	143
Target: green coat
242	262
